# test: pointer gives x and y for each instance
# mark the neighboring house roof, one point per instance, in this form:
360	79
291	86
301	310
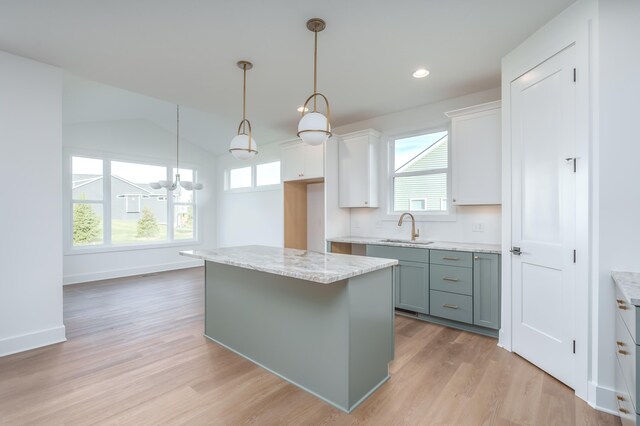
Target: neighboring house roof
437	149
82	182
87	180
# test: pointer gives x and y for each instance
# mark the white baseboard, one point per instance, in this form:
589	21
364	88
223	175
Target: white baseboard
127	272
603	399
24	342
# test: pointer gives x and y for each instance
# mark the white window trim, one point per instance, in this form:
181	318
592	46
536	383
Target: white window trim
254	177
389	161
107	246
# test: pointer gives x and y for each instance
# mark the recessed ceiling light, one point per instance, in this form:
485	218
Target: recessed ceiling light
421	73
305	109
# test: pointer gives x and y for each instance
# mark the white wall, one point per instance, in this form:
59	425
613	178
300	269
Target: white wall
141	139
255	217
376	223
31	243
616	178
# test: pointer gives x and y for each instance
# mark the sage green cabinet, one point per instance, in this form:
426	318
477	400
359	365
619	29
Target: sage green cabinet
412	286
412	275
486	290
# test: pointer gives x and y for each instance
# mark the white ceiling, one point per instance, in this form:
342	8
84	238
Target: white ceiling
185	51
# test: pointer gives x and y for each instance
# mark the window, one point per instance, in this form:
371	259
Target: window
420	173
87	210
240	178
264	176
125	210
268	174
184	206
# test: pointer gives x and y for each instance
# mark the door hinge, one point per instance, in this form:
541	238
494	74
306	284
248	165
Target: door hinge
574	256
574	160
574	75
574	346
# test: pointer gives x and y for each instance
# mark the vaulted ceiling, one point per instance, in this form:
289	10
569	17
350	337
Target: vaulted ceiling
186	51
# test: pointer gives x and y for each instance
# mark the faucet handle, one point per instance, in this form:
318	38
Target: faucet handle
417	234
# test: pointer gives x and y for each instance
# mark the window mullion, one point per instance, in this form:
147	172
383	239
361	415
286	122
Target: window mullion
170	204
106	200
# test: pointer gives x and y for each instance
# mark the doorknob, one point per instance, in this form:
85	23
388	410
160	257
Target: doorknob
516	251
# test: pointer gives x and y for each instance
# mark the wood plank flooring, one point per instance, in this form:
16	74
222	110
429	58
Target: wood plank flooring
135	355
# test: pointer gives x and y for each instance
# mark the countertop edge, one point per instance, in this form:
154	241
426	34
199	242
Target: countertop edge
629	285
301	276
436	245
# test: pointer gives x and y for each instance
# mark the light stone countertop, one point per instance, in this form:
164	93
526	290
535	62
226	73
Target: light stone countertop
629	285
436	245
323	268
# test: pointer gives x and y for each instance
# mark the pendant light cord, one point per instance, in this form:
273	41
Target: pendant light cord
178	139
244	99
315	69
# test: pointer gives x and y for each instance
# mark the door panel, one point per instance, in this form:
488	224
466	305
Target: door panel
412	286
543	214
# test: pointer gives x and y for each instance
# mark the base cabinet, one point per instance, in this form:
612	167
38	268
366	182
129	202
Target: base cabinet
459	289
627	383
486	290
412	286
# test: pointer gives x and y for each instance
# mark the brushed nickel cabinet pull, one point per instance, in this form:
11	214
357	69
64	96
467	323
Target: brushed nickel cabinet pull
446	305
450	258
620	351
476	257
450	279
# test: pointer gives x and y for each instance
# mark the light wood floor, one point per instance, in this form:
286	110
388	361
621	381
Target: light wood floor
135	355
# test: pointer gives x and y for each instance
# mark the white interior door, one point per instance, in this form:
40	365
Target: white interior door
543	215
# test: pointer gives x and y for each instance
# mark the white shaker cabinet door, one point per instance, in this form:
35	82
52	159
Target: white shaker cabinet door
476	155
313	161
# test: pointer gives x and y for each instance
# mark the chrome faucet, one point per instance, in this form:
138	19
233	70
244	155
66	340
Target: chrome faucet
414	234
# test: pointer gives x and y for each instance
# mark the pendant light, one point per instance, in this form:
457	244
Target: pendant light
314	128
167	184
243	146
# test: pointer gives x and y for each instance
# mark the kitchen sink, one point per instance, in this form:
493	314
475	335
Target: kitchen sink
392	240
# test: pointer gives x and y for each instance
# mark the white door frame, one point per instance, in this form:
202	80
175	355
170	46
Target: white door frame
574	26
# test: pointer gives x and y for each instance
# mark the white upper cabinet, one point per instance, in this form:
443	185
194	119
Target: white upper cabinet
301	161
358	169
476	154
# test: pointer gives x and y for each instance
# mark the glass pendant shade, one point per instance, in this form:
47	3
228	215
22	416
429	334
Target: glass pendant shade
314	129
241	149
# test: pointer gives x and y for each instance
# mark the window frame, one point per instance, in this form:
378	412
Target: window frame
107	245
254	177
422	216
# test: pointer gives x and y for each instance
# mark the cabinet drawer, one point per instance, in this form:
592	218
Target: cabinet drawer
626	351
452	258
626	410
628	312
400	253
455	307
453	279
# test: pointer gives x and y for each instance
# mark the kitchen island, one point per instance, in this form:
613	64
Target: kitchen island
323	322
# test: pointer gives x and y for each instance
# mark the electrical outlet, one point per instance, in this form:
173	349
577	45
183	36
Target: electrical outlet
477	227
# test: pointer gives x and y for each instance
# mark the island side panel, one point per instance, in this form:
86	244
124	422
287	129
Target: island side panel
296	328
371	332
